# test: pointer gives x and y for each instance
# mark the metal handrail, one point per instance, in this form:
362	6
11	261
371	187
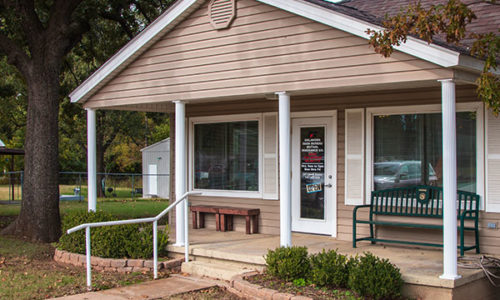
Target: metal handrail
154	220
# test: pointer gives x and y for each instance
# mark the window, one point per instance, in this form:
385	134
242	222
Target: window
407	150
226	156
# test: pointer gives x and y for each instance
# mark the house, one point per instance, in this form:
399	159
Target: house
254	85
156	169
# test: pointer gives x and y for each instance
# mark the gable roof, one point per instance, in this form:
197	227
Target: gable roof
147	148
488	15
337	16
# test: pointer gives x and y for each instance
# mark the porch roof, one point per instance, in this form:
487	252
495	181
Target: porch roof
333	15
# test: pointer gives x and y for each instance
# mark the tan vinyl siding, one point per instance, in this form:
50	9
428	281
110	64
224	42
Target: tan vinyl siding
490	238
265	50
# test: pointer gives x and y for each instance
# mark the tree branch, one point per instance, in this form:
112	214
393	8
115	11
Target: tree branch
74	32
143	12
61	13
30	23
119	20
15	55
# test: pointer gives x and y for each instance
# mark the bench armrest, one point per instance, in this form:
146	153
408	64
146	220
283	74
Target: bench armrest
469	212
354	212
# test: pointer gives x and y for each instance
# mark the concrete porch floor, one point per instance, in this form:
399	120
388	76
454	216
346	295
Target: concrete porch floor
418	266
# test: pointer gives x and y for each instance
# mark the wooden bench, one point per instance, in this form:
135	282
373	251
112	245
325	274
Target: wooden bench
418	202
202	210
227	213
224	217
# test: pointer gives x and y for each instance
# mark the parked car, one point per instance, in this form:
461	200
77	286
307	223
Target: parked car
394	174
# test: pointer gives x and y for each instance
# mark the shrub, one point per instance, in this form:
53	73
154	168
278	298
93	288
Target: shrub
111	241
374	277
75	242
329	268
140	245
288	263
117	241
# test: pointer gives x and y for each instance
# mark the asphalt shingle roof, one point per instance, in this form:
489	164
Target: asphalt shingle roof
374	11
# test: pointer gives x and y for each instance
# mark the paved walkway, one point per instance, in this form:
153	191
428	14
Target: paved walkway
157	289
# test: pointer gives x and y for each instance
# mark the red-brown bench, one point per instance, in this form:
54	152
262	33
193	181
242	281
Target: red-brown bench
224	217
202	210
227	213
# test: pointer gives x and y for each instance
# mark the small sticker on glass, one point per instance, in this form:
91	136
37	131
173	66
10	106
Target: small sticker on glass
313	188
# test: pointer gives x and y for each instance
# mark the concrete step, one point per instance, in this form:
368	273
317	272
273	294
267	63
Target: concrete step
216	270
239	257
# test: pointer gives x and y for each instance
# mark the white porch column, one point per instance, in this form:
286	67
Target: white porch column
91	160
449	180
180	169
285	175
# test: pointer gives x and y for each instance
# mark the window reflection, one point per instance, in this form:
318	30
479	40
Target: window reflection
408	150
226	156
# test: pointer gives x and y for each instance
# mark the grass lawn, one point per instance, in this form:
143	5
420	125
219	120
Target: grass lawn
27	271
117	193
121	208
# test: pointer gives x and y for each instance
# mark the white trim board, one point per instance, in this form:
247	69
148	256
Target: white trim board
180	9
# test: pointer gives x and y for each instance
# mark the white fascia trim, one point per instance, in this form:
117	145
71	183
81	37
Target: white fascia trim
418	48
131	48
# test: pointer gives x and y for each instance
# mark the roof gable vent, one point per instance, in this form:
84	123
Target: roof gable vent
221	13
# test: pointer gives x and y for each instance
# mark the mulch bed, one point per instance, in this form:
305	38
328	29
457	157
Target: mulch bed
311	291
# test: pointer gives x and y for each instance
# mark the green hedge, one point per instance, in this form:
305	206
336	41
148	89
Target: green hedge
288	263
329	268
368	275
376	278
118	241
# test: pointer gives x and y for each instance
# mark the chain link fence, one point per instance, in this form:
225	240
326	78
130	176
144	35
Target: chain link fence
73	186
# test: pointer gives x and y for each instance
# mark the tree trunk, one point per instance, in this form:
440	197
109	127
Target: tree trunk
39	218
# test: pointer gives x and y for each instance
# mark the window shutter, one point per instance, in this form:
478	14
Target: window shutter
493	162
354	156
270	161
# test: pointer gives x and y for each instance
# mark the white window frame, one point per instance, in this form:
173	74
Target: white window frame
476	107
226	119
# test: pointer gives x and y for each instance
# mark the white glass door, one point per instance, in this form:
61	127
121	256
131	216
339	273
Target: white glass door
313	178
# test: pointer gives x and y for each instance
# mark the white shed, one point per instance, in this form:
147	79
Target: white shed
156	169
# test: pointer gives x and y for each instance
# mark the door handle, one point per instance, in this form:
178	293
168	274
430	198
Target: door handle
328	185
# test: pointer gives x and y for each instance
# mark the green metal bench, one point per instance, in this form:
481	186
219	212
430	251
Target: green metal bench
419	202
